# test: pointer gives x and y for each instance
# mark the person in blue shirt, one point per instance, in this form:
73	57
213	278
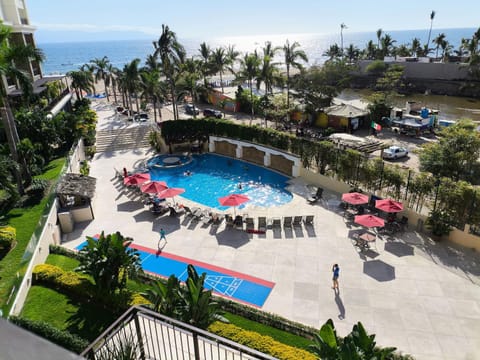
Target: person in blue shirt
336	274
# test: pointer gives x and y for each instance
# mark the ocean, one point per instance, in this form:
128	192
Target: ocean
64	57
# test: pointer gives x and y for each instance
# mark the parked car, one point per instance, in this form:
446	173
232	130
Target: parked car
212	113
395	152
191	109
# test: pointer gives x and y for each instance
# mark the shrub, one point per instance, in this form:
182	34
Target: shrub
8	236
60	337
46	273
259	342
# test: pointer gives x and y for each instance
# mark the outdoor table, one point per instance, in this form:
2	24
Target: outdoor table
364	239
350	213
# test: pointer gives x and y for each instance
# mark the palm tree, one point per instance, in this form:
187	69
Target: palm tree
131	75
165	297
7	168
415	47
220	62
387	45
9	56
152	89
432	16
171	54
333	52
370	50
232	55
438	42
352	53
82	80
188	81
109	261
446	50
111	79
249	70
205	56
342	26
292	54
269	72
100	68
379	36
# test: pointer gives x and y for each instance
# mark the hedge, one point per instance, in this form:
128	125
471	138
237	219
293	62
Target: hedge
80	287
258	342
8	235
60	337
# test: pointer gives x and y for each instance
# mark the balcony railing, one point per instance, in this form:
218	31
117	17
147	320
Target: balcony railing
150	335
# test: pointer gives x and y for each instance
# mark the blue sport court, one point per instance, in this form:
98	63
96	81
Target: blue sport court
230	284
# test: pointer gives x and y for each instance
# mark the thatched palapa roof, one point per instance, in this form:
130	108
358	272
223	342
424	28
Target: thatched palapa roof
77	185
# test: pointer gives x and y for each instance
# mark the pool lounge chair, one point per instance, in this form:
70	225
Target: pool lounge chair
309	220
238	222
250	225
297	221
315	197
262	223
287	221
228	221
276	223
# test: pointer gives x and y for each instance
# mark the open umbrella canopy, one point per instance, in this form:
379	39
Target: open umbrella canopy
233	200
355	198
389	205
170	192
369	221
137	179
154	187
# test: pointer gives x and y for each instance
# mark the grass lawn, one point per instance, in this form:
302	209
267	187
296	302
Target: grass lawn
83	319
24	220
278	335
64	262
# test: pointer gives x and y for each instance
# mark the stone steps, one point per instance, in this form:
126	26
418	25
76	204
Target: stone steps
123	138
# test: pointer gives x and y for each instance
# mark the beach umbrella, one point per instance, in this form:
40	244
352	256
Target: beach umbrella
170	193
369	221
355	198
137	179
233	200
389	205
153	187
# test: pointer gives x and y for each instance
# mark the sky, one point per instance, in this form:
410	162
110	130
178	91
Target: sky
87	20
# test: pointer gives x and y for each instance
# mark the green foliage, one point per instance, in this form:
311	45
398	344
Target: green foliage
84	168
125	348
90	151
8	236
356	345
60	337
258	342
376	67
379	106
109	261
439	222
454	154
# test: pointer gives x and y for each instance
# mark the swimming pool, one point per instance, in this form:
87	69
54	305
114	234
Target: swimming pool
213	176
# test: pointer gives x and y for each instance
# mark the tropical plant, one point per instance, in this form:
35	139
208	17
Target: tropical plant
171	54
439	222
432	16
153	90
188	80
165	296
219	61
81	81
342	27
205	57
110	261
100	71
249	70
334	52
131	82
292	56
269	73
438	41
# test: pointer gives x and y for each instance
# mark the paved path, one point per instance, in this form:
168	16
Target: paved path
415	294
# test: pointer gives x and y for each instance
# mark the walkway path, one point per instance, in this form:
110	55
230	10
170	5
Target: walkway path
420	296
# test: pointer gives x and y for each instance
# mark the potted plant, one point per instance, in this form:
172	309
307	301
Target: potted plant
439	222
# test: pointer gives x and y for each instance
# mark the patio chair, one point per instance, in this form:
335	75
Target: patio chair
238	222
262	223
297	221
228	221
276	223
315	197
250	225
309	220
188	211
287	221
216	219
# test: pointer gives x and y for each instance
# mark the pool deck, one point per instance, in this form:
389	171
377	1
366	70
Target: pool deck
420	296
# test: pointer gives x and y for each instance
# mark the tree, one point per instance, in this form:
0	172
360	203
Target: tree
333	53
109	261
352	53
342	26
171	54
205	57
432	16
415	48
292	55
9	56
455	154
100	68
131	79
387	45
249	70
7	166
269	72
438	41
188	81
82	80
152	90
219	62
165	296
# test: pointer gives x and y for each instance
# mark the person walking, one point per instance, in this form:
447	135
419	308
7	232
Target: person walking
336	274
162	235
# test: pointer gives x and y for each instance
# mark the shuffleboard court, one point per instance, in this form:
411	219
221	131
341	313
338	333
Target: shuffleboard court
227	283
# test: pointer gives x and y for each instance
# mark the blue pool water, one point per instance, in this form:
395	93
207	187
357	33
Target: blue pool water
214	176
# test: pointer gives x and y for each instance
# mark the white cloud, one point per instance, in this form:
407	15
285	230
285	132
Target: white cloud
98	28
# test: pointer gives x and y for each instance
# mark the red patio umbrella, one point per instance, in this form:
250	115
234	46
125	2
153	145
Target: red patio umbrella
170	193
369	221
233	200
389	205
355	198
136	179
154	187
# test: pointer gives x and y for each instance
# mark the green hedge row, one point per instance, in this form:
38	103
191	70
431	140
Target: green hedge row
60	337
258	342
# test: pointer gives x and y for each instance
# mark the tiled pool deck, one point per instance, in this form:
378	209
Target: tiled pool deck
420	296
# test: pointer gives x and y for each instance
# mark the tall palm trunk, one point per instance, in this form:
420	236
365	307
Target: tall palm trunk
288	92
13	140
221	80
250	83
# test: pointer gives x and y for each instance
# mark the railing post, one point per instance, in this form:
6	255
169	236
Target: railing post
139	336
196	348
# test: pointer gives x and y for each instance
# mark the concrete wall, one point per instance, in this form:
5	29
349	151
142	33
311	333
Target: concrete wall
225	148
253	155
280	163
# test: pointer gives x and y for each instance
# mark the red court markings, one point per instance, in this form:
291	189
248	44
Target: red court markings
221	270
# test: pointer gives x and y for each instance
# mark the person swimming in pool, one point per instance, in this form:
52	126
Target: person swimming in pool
187	173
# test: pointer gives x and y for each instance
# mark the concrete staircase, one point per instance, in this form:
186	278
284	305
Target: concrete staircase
125	138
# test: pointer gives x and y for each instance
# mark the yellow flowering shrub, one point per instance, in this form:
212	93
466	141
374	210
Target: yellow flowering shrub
261	343
8	235
137	299
46	273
